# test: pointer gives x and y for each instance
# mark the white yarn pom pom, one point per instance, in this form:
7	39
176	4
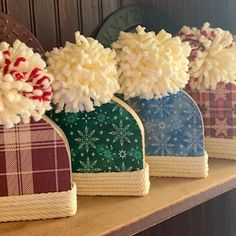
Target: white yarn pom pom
151	65
213	56
85	75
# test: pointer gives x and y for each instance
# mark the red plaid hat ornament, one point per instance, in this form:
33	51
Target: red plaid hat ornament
35	170
213	86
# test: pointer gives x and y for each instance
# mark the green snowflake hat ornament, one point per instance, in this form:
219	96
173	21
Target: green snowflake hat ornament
152	70
106	136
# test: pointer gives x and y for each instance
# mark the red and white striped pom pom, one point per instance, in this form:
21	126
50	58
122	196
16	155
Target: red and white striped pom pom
195	42
37	78
25	85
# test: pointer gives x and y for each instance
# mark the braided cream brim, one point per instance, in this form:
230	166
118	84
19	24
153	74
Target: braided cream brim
221	148
134	183
38	206
171	166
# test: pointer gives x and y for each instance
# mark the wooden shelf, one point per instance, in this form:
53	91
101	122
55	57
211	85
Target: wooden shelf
128	215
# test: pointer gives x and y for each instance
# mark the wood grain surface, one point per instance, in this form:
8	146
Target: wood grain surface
55	21
212	218
129	215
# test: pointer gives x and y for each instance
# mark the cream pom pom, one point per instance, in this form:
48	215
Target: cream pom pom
151	65
25	86
85	75
213	56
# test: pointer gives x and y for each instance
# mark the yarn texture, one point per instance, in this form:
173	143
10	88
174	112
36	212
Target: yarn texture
85	75
151	65
213	56
25	86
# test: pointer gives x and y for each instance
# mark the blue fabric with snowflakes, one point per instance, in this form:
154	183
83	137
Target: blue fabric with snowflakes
107	139
173	125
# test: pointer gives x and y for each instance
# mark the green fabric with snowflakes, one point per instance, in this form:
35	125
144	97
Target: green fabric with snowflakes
107	139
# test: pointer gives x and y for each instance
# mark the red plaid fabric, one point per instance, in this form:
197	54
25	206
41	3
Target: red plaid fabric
33	159
219	110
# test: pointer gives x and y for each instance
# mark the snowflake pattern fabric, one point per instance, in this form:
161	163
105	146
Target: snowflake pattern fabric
218	109
173	125
107	139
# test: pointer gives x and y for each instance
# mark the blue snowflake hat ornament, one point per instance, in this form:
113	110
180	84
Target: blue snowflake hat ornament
105	135
152	70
